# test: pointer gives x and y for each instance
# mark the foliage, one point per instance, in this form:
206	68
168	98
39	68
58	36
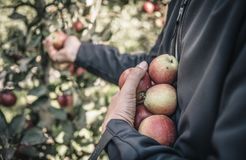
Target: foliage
37	127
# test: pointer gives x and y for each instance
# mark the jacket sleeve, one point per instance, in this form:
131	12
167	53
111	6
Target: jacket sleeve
108	63
105	61
127	143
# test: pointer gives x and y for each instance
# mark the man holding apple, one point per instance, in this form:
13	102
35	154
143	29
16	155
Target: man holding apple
208	39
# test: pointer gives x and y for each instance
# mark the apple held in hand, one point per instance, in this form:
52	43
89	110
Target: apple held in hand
148	7
141	114
161	99
7	98
65	100
144	84
160	128
58	39
163	69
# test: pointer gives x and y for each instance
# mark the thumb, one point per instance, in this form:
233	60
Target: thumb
134	78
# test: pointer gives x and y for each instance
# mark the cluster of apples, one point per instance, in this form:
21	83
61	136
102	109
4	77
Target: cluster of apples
156	99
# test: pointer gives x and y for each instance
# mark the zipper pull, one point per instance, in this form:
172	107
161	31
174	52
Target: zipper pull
181	11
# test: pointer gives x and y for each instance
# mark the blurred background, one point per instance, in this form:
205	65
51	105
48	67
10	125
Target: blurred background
55	111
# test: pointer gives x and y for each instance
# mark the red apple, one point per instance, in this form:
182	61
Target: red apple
58	39
78	25
141	114
160	128
65	100
7	98
161	99
156	7
148	7
163	69
144	84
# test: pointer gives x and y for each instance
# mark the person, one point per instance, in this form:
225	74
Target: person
208	39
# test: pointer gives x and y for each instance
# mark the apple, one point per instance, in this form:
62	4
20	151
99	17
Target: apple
156	7
148	7
141	114
161	99
7	98
78	25
163	69
65	100
58	39
144	83
160	128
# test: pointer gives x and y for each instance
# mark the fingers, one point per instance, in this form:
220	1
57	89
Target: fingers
134	78
50	48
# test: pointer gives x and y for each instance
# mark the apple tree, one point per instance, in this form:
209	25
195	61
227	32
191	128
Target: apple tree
50	110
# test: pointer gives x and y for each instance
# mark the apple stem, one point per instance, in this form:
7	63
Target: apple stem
141	97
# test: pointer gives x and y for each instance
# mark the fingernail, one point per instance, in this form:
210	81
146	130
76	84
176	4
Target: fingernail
143	65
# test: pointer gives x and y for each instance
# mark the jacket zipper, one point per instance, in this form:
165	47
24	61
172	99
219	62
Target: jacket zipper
178	28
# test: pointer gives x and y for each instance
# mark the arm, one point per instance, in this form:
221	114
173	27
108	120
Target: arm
127	143
106	62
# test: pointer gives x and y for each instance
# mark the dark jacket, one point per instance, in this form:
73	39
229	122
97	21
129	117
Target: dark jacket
208	37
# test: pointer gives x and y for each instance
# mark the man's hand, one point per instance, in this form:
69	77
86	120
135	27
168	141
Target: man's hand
123	104
67	54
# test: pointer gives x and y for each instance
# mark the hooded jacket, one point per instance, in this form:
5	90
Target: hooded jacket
208	39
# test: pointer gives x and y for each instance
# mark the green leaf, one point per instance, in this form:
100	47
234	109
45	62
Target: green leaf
24	63
18	16
39	91
7	154
29	151
69	130
80	119
3	124
17	77
33	136
58	113
41	102
17	125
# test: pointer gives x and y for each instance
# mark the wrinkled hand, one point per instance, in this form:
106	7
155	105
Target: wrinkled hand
67	54
123	104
